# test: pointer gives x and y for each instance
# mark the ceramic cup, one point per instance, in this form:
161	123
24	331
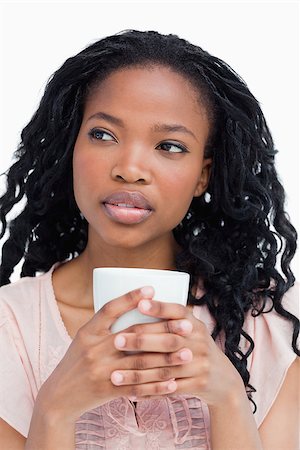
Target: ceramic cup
112	282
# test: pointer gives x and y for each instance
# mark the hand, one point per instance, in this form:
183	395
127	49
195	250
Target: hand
189	355
81	381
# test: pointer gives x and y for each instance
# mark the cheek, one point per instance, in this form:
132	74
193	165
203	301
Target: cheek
86	174
88	177
180	187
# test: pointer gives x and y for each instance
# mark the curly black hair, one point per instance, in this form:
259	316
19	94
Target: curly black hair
231	234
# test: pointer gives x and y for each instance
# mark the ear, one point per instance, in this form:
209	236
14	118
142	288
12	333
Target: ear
204	177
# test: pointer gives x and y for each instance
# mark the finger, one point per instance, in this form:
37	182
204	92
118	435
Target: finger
163	310
193	385
150	389
183	327
184	385
107	315
162	342
129	377
147	360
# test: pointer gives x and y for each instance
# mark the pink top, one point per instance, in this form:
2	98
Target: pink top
33	339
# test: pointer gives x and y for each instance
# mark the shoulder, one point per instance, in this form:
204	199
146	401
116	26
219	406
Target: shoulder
20	300
18	288
271	328
273	353
19	296
18	343
280	427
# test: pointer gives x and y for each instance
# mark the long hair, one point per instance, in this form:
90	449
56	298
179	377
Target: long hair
231	235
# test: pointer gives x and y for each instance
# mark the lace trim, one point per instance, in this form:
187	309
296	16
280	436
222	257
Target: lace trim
177	426
115	423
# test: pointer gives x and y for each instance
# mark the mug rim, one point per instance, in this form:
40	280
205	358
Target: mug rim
141	271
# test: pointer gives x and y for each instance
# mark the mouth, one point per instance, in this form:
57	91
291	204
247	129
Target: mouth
127	207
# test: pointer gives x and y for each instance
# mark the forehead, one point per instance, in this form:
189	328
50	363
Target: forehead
144	96
153	84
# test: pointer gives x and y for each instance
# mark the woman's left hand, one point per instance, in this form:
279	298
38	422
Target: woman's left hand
179	347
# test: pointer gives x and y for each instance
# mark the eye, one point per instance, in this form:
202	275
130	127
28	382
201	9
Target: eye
171	147
100	135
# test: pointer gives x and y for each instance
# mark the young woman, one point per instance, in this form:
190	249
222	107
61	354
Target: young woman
146	151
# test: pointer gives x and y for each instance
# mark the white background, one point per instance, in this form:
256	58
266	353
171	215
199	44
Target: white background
258	39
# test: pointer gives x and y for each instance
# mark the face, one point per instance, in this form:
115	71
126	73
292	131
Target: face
138	158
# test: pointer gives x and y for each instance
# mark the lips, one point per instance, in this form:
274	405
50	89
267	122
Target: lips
133	199
127	207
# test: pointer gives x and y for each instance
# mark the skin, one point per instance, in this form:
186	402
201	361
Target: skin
179	354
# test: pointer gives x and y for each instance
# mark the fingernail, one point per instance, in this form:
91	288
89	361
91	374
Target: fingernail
120	341
145	305
117	377
185	325
186	355
172	386
132	398
147	291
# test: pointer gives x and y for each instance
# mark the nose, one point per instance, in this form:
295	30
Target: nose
132	166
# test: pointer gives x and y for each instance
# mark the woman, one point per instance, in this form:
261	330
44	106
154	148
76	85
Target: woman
146	151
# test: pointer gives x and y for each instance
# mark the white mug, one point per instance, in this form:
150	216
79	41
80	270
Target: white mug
111	282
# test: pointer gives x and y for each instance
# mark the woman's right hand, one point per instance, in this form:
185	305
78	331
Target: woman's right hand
81	381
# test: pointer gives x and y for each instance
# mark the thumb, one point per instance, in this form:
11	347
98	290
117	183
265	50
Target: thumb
106	316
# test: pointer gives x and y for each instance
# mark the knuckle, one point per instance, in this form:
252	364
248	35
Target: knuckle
139	363
81	336
172	342
204	350
138	329
136	377
158	388
139	340
88	356
204	375
134	391
202	329
203	383
159	307
177	326
94	376
168	358
167	326
133	296
106	309
164	373
205	366
130	296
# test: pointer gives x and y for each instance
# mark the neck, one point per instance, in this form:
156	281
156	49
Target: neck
74	279
153	255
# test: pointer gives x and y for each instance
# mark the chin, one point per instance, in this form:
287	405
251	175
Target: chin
123	240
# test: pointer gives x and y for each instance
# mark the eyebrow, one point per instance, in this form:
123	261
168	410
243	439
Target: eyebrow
158	127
